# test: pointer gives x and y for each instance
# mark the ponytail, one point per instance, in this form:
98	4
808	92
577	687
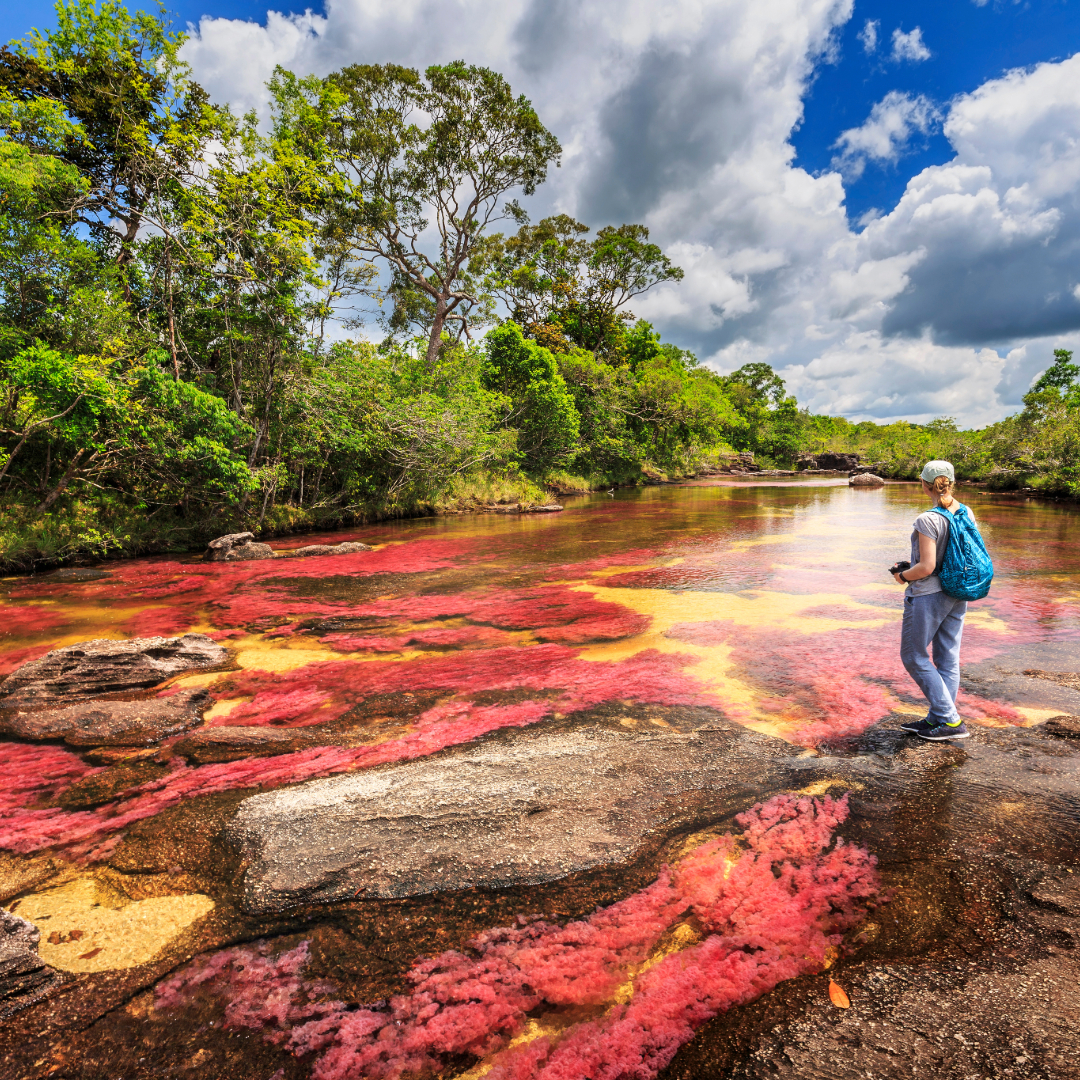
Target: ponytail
942	487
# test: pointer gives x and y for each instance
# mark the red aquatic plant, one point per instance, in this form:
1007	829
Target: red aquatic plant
260	989
770	904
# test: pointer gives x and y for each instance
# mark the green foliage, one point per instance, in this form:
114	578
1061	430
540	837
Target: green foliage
109	424
536	401
106	95
567	291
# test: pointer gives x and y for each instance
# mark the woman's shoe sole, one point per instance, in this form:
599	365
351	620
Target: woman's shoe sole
942	738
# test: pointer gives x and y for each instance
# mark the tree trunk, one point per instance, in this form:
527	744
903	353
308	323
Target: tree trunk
172	322
435	337
64	481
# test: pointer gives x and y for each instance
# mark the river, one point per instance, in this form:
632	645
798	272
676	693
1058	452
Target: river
675	612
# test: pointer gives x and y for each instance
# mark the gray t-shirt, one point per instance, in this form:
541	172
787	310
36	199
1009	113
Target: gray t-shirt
935	526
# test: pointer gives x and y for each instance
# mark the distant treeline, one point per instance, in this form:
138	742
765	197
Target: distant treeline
170	275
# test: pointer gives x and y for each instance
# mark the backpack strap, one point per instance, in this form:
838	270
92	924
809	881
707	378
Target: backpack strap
949	515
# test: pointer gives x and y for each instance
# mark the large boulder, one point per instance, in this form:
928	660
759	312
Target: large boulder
523	807
111	723
92	668
24	976
866	480
836	462
235	547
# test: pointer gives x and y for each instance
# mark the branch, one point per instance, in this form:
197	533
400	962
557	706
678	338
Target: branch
30	431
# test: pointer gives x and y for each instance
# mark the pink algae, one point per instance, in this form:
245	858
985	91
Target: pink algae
769	904
260	989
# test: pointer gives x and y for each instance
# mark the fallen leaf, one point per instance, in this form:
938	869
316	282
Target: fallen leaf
75	935
93	952
832	954
54	938
837	996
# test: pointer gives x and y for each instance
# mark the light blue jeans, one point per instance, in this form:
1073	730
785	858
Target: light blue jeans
934	619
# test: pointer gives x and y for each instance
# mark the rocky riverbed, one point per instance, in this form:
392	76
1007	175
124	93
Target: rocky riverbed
606	868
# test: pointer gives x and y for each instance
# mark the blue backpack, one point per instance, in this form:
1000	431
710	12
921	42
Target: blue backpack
966	571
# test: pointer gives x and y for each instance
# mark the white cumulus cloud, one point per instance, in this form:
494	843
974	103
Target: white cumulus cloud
868	35
886	133
909	46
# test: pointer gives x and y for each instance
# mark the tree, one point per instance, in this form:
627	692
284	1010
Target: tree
557	284
106	94
411	152
55	285
104	422
1062	378
538	404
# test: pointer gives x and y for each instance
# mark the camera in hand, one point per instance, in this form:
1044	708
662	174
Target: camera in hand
900	567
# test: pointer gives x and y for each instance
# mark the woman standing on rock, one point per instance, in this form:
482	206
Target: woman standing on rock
931	616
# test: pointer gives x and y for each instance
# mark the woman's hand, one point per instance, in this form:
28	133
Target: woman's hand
900	580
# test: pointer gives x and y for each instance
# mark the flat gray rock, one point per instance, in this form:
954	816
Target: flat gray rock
1003	678
522	808
346	547
236	546
103	666
110	723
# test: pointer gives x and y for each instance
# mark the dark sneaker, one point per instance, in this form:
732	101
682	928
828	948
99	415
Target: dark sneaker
944	731
917	727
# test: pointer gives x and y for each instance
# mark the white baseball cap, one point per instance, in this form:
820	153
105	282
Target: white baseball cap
933	469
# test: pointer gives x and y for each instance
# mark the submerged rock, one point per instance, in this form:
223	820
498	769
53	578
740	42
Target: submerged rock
24	976
102	666
218	744
236	546
348	547
78	573
521	808
866	480
111	723
520	508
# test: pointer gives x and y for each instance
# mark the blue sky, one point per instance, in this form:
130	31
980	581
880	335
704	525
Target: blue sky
881	200
968	44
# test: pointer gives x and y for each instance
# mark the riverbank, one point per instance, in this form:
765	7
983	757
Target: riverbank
108	528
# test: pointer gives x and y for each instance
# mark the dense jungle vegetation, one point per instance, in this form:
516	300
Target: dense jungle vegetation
180	350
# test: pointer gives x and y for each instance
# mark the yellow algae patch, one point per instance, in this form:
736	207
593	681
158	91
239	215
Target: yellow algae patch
283	659
682	937
759	541
821	787
713	666
775	610
614	571
532	1031
985	621
86	926
1030	716
223	707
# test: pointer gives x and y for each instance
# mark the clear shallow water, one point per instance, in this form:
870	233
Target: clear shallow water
765	603
769	603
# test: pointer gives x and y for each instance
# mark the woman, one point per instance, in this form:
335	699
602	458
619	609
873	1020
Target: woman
932	616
